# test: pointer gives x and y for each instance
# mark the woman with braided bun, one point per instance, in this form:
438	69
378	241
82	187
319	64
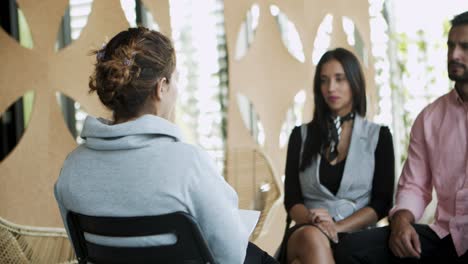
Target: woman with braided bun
137	165
339	167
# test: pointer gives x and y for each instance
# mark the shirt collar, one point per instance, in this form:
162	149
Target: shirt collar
457	96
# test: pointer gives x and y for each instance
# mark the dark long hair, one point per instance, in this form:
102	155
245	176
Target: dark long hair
317	129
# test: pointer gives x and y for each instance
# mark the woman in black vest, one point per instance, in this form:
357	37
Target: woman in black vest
339	167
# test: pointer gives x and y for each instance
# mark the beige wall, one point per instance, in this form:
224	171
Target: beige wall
268	75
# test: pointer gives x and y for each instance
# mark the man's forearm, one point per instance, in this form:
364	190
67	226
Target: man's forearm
402	216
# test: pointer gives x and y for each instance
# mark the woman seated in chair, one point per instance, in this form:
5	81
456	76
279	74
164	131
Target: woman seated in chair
339	167
136	164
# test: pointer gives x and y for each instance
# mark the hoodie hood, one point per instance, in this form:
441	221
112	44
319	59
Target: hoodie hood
101	134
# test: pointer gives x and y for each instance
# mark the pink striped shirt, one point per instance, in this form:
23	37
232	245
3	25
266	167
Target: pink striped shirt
438	157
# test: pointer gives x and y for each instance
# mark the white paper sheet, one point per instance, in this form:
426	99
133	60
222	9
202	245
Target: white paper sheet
249	219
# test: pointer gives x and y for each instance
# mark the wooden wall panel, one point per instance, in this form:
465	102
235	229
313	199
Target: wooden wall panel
28	173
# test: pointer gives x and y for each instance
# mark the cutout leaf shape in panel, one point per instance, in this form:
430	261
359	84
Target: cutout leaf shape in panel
323	38
293	118
354	39
251	120
14	121
17	26
73	115
247	30
289	34
137	14
73	22
129	8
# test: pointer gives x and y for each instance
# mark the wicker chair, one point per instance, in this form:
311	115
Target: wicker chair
25	245
250	163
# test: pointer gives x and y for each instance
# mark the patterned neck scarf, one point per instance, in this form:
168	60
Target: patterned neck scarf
334	134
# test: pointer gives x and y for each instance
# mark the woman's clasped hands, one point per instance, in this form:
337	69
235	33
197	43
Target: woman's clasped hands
320	218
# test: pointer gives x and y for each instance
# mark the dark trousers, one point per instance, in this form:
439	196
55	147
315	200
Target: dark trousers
371	246
257	256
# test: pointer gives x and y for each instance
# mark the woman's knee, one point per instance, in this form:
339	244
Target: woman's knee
308	236
306	242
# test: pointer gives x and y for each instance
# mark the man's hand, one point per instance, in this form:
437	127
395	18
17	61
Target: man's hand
404	240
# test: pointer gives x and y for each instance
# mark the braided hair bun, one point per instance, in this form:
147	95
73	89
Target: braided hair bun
128	68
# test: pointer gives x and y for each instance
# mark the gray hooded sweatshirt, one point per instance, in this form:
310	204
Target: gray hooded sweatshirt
142	168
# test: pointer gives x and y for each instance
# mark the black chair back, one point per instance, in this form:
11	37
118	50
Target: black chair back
190	248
